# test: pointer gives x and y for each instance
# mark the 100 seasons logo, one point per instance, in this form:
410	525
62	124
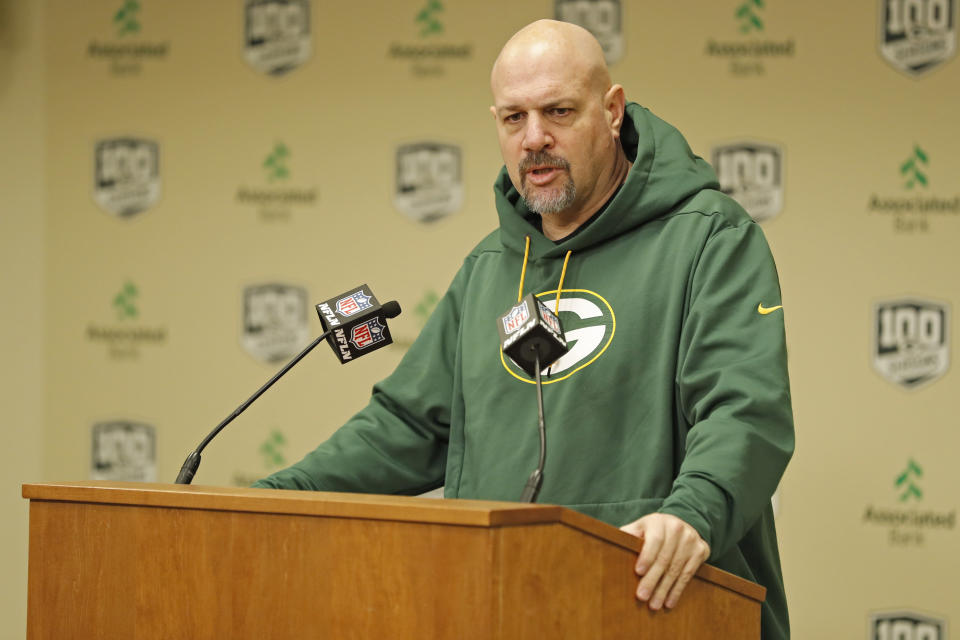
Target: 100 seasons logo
125	338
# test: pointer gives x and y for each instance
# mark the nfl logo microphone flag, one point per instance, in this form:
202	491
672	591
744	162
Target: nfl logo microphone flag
531	327
357	323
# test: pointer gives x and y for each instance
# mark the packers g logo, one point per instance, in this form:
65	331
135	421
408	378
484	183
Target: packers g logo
588	325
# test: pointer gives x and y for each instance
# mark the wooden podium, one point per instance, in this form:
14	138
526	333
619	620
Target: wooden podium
134	561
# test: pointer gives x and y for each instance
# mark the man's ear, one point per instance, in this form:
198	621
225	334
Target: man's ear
493	111
614	106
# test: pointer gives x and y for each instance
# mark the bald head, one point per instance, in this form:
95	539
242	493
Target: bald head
558	122
552	45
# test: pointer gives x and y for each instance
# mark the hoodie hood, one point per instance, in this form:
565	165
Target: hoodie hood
664	175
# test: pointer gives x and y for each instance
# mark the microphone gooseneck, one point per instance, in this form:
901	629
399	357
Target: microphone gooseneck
535	481
532	336
190	465
354	318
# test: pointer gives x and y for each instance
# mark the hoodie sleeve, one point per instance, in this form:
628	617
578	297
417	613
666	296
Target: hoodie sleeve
398	443
733	389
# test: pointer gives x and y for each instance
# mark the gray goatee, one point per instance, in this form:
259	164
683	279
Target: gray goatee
553	200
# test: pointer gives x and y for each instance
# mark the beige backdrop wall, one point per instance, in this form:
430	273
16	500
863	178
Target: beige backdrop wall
196	152
21	274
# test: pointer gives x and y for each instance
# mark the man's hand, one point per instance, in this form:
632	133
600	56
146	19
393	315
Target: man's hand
671	554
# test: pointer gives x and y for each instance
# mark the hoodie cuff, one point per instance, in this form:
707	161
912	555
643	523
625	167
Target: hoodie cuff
692	517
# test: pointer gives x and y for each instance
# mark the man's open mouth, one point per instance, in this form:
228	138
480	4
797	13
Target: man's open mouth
542	175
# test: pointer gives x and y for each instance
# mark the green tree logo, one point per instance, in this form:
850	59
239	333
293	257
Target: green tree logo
271	450
276	163
746	14
125	19
427	19
125	301
426	306
905	482
911	169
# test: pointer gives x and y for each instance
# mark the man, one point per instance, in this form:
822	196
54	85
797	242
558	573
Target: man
671	413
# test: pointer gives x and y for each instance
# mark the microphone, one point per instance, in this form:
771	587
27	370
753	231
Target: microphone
528	329
532	336
371	315
353	320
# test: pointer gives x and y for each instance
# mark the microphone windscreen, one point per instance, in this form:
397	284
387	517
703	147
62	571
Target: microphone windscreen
390	309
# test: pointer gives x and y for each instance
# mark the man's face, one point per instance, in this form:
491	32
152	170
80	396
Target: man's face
554	135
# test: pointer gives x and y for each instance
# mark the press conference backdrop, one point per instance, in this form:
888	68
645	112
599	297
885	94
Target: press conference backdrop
214	169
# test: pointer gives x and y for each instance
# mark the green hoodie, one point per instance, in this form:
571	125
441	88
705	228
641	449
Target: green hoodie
674	396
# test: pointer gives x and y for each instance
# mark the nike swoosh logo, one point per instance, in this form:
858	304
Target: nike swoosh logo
762	310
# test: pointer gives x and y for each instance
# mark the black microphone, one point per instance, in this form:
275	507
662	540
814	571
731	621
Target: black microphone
387	310
353	321
532	336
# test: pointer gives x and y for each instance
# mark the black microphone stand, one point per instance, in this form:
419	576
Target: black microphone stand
534	482
190	465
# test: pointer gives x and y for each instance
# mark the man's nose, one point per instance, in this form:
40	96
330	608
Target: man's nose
537	135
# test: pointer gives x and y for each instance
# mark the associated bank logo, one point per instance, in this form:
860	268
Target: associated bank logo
917	35
747	14
125	52
912	212
911	341
429	54
275	321
752	174
271	450
272	453
421	311
125	302
602	18
913	169
124	450
906	482
125	338
125	18
748	55
273	199
428	19
276	163
905	514
906	625
126	175
588	326
277	35
429	183
425	306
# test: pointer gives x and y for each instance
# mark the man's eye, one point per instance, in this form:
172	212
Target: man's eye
560	111
514	117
